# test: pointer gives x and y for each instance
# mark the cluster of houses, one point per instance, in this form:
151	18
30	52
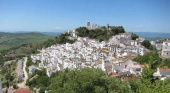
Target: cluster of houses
164	48
112	56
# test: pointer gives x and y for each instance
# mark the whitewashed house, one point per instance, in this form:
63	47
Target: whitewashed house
159	46
126	35
166	48
32	69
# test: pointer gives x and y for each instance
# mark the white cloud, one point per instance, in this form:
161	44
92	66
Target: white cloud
139	26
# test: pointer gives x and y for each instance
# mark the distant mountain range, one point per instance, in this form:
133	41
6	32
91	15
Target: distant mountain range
51	33
147	35
54	33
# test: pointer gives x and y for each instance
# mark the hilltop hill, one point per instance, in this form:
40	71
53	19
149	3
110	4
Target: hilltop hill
9	40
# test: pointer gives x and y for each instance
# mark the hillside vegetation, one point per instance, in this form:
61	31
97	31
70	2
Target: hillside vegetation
18	45
91	80
100	34
9	40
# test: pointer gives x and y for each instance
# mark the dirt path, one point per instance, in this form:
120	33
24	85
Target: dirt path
23	84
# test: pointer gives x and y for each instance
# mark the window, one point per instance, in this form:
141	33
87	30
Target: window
166	44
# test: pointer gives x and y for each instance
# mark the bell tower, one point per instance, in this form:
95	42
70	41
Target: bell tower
88	25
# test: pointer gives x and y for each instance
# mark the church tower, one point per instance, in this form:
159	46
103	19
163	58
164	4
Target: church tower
108	29
88	25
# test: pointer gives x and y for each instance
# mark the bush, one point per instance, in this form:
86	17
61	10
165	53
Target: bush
15	87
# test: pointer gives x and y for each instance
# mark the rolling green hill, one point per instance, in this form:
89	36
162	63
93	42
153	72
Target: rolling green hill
9	40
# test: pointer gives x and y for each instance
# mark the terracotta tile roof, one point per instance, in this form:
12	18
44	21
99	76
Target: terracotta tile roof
144	65
167	41
49	69
110	58
114	75
147	52
132	53
124	38
104	48
106	52
23	91
128	57
134	77
99	61
165	69
108	67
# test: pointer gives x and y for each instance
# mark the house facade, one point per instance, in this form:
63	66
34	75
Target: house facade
32	69
166	48
159	47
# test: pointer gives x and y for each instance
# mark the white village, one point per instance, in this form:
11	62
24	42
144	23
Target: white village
112	56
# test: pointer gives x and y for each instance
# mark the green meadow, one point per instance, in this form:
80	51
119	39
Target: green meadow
9	40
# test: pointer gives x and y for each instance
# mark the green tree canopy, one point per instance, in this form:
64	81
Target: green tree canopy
100	34
82	31
134	36
87	80
147	44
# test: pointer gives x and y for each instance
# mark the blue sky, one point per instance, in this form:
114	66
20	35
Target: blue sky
62	15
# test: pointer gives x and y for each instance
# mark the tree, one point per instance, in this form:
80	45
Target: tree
121	29
134	36
115	31
147	75
11	78
7	76
7	84
87	80
1	60
41	72
146	43
42	90
42	81
49	42
82	31
100	34
63	38
15	86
